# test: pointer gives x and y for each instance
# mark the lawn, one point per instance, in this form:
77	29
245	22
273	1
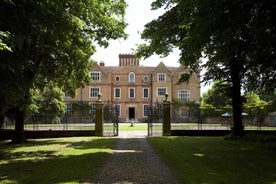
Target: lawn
63	160
213	160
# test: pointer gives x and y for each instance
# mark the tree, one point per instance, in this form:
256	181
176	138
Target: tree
51	41
47	101
218	95
237	37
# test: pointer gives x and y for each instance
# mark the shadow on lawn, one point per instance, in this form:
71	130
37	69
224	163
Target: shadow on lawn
55	170
214	160
50	166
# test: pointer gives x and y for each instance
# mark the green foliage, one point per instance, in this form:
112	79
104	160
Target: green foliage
208	110
81	108
255	106
237	38
47	101
108	113
218	95
47	41
193	107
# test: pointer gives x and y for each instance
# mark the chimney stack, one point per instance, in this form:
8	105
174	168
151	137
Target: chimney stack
128	59
102	63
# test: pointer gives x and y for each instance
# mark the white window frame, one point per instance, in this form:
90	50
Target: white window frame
117	77
145	110
184	95
116	97
92	109
68	108
129	89
144	92
161	77
157	92
90	92
96	78
131	77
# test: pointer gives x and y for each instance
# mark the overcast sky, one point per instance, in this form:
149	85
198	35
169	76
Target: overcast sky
138	13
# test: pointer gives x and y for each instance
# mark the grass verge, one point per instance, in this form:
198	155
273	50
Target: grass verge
63	160
215	160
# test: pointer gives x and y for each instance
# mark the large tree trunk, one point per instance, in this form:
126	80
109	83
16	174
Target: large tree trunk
237	128
1	121
19	136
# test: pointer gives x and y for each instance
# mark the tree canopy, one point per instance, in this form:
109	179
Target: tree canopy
218	95
237	38
52	41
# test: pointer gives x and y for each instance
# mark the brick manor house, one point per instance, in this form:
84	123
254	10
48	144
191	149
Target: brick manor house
133	88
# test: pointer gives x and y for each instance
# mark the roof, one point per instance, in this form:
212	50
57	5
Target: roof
147	69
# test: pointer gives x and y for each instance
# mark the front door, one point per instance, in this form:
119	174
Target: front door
131	113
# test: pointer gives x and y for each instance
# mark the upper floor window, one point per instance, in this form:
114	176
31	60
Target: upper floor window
146	79
161	77
184	95
161	92
145	92
117	78
95	76
131	93
117	93
94	92
131	77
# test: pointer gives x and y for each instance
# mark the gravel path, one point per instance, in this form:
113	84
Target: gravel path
134	161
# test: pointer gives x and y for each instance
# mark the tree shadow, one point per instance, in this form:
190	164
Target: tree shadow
58	169
50	166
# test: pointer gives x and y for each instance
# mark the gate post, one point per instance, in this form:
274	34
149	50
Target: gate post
166	116
99	117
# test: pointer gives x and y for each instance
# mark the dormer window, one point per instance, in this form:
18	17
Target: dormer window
131	77
161	77
96	76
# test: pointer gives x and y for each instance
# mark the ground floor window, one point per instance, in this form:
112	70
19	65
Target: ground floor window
94	92
68	108
117	110
145	110
184	95
184	112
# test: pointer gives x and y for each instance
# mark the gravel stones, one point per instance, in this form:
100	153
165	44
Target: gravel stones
134	161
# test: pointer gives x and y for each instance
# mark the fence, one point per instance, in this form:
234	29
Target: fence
53	122
188	118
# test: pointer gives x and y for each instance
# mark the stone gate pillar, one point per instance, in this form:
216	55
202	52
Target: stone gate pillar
166	116
99	117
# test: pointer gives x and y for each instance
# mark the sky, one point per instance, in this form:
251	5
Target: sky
138	13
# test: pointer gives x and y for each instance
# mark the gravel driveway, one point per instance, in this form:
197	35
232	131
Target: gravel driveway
134	161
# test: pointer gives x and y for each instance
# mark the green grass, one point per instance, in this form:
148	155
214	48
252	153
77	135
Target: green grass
213	160
135	127
63	160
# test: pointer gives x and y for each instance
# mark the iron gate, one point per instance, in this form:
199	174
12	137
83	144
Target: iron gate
155	120
111	120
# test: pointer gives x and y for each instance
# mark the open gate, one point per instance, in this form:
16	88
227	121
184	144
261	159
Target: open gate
155	120
111	120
